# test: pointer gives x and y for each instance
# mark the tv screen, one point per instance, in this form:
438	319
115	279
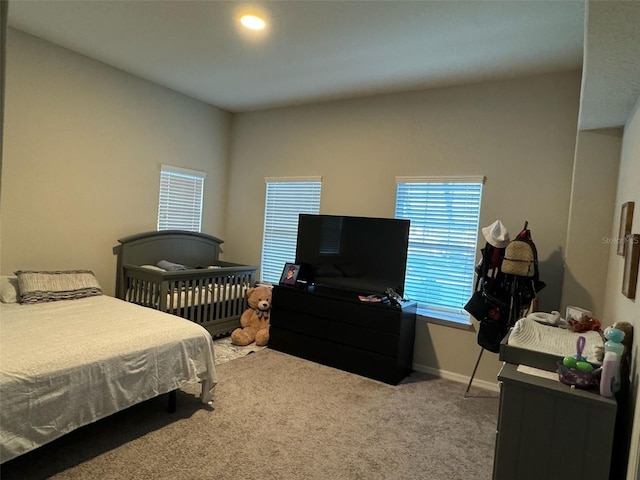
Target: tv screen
359	254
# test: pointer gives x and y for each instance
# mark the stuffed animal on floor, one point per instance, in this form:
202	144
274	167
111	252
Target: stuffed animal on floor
254	321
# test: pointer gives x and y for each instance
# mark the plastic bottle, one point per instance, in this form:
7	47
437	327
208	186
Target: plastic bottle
610	371
613	348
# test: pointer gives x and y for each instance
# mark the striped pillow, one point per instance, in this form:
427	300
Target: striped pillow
36	287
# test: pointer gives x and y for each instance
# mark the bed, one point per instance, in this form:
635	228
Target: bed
197	285
70	362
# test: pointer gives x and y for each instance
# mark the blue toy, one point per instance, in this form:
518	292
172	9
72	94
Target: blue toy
613	349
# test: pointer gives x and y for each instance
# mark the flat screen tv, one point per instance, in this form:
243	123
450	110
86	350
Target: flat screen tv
357	254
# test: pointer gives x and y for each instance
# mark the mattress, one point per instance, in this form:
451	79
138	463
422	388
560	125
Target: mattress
66	364
191	297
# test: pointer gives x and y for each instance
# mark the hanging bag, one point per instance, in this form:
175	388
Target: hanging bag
481	303
489	304
520	258
491	333
478	306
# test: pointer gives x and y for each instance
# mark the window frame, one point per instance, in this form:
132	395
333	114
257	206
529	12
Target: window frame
175	212
282	223
462	290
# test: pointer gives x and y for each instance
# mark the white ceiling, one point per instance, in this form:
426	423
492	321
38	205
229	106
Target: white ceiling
313	50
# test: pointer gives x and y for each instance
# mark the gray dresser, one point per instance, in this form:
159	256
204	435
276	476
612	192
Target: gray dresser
547	430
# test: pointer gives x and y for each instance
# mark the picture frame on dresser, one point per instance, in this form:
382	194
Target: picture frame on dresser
290	274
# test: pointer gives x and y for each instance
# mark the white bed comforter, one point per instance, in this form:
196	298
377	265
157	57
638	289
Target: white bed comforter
66	364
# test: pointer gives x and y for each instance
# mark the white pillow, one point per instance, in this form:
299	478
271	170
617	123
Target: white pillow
9	289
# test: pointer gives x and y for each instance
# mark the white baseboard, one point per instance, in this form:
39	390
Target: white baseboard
456	377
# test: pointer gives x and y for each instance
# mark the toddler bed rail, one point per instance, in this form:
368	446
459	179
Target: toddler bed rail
212	295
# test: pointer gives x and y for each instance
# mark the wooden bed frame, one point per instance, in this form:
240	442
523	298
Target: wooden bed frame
212	297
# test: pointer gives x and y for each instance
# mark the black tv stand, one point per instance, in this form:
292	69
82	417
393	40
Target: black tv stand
337	329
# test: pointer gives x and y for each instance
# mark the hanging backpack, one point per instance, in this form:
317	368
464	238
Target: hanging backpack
521	256
520	266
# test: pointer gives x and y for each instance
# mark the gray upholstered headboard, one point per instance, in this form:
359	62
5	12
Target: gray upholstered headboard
177	246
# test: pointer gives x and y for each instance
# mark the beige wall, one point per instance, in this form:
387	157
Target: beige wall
617	306
83	147
4	6
520	134
593	195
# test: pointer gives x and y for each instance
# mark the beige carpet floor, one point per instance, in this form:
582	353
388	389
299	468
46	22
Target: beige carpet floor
280	417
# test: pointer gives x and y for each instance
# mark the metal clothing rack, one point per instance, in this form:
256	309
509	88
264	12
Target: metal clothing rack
515	285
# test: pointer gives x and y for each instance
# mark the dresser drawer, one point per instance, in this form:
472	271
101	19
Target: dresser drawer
293	300
300	345
375	317
363	338
299	322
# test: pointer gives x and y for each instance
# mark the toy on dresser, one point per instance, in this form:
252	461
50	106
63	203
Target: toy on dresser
614	355
627	341
576	371
609	377
583	324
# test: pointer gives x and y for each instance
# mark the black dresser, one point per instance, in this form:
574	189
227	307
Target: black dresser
337	329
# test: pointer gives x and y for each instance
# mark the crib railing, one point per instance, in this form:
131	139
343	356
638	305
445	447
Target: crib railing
213	297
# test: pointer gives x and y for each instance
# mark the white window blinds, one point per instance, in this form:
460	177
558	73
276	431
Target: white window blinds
286	198
444	214
180	203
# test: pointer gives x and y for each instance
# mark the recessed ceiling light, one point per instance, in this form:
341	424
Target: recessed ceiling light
253	22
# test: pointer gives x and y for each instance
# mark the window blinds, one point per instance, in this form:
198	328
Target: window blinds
444	214
285	199
180	203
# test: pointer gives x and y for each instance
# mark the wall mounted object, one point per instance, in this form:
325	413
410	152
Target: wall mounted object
626	220
630	276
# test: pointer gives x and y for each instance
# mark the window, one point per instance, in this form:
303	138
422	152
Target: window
180	203
444	214
285	199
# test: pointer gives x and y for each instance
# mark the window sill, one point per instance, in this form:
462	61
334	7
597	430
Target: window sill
440	319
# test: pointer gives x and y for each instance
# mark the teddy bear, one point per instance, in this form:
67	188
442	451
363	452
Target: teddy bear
254	322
